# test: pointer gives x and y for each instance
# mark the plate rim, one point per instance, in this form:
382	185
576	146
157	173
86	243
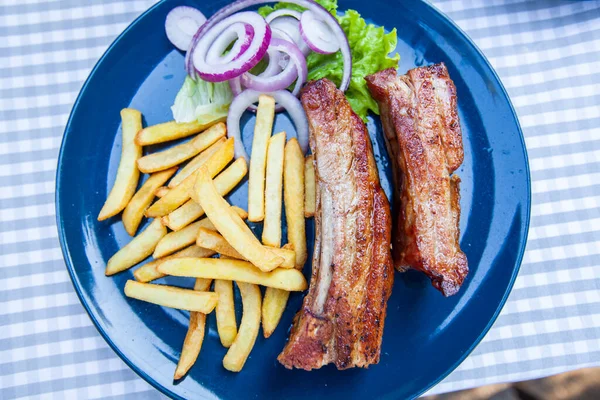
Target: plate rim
166	391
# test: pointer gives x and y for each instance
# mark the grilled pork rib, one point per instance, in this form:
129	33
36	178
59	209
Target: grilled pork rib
341	320
420	120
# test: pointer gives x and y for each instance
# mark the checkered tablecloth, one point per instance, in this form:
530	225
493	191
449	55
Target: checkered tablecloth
547	53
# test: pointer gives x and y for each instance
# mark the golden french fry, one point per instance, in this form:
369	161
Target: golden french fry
225	312
271	235
273	307
196	162
177	154
258	159
231	226
178	219
293	196
134	212
194	337
173	297
137	250
234	270
170	131
310	196
241	347
127	173
191	210
174	241
148	272
214	241
177	240
274	304
161	191
181	193
210	239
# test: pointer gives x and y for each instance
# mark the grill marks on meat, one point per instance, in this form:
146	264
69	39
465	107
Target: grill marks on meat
341	320
423	135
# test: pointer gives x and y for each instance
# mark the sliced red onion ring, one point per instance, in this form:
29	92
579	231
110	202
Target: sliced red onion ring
247	98
239	63
235	85
320	12
317	34
284	12
278	33
295	70
291	27
274	65
241	33
181	24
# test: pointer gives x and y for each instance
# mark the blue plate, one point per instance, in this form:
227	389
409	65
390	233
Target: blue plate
426	335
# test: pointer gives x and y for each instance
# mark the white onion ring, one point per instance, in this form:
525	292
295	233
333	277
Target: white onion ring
243	34
181	24
274	65
247	98
317	34
284	12
255	49
295	70
291	27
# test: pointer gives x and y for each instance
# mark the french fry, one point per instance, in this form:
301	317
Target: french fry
177	240
148	272
231	226
210	239
181	193
174	241
273	307
293	196
234	270
127	173
310	196
137	250
177	154
213	240
183	216
170	131
161	191
239	351
194	337
173	297
134	212
274	304
271	235
196	162
258	160
191	210
225	312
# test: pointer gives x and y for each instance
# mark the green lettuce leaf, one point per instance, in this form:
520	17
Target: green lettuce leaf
370	47
201	100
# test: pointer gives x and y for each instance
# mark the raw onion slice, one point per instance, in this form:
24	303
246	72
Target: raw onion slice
247	98
284	12
291	27
181	24
294	71
317	34
317	9
219	67
241	33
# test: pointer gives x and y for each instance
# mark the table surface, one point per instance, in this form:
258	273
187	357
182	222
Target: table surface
547	54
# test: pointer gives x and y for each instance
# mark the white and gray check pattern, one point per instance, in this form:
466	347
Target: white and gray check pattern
547	53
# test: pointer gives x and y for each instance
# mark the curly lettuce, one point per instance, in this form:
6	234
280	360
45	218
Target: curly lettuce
370	47
202	101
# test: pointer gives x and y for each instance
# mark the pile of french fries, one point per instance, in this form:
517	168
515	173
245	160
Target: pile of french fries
192	223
